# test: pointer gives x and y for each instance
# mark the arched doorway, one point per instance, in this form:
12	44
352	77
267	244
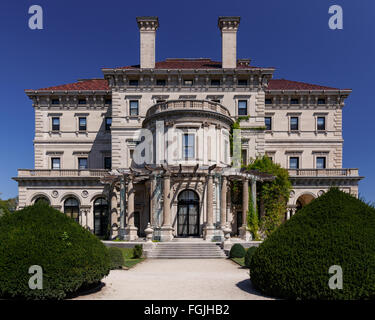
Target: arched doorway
71	208
188	214
42	199
304	200
101	217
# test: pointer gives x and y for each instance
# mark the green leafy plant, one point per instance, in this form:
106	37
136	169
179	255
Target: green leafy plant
138	251
117	258
334	229
70	256
237	251
249	253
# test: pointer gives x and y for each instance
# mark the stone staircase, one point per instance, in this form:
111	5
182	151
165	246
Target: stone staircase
179	249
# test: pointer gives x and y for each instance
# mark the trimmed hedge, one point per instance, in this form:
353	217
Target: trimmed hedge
138	251
70	256
335	229
237	251
117	259
249	253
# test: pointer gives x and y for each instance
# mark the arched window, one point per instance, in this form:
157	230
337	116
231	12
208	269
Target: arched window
42	199
71	208
101	217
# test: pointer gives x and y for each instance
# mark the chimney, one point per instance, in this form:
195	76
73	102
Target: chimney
228	27
147	29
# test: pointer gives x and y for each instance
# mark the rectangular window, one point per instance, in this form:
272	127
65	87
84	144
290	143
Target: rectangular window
82	163
108	101
107	163
244	157
268	101
82	124
294	101
242	107
268	123
321	123
108	123
188	146
134	107
321	101
242	82
133	82
215	82
55	163
320	162
160	82
81	101
55	124
293	163
294	124
55	101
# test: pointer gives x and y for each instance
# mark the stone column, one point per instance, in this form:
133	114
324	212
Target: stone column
209	228
223	203
130	230
114	214
254	194
244	232
122	208
166	232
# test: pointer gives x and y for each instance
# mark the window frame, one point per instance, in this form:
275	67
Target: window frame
325	162
52	164
298	162
82	128
53	129
87	163
245	82
215	82
270	124
133	82
291	124
186	147
238	107
105	163
317	123
130	108
108	126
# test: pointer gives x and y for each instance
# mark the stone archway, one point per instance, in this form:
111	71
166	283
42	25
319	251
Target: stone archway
188	214
304	200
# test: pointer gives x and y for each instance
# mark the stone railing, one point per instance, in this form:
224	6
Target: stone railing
22	173
323	172
188	105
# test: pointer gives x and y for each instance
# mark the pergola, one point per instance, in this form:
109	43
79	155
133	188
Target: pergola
133	175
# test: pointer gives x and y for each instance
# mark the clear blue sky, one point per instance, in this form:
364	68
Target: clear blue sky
80	37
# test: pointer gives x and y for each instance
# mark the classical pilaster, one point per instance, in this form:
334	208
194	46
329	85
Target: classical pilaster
122	208
223	203
209	228
130	230
244	232
166	232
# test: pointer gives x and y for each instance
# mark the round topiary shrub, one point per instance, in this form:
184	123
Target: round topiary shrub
335	229
249	253
237	251
117	259
138	251
70	256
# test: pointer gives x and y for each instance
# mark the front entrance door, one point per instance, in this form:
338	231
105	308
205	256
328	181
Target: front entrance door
188	214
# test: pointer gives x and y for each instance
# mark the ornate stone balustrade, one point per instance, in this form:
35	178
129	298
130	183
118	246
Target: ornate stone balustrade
31	173
188	105
323	172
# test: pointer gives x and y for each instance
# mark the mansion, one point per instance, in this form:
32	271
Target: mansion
149	145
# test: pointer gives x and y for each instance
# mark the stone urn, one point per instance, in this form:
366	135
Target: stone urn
149	231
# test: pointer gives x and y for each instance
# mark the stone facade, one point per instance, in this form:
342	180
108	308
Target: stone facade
298	125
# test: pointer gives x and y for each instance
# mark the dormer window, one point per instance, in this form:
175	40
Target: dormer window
133	82
160	82
294	101
321	101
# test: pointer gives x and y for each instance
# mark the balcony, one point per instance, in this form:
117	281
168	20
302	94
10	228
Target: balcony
323	173
62	173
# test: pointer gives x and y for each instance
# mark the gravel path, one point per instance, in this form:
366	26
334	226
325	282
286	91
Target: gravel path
180	279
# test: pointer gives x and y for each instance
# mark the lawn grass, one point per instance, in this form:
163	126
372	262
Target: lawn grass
240	261
129	261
